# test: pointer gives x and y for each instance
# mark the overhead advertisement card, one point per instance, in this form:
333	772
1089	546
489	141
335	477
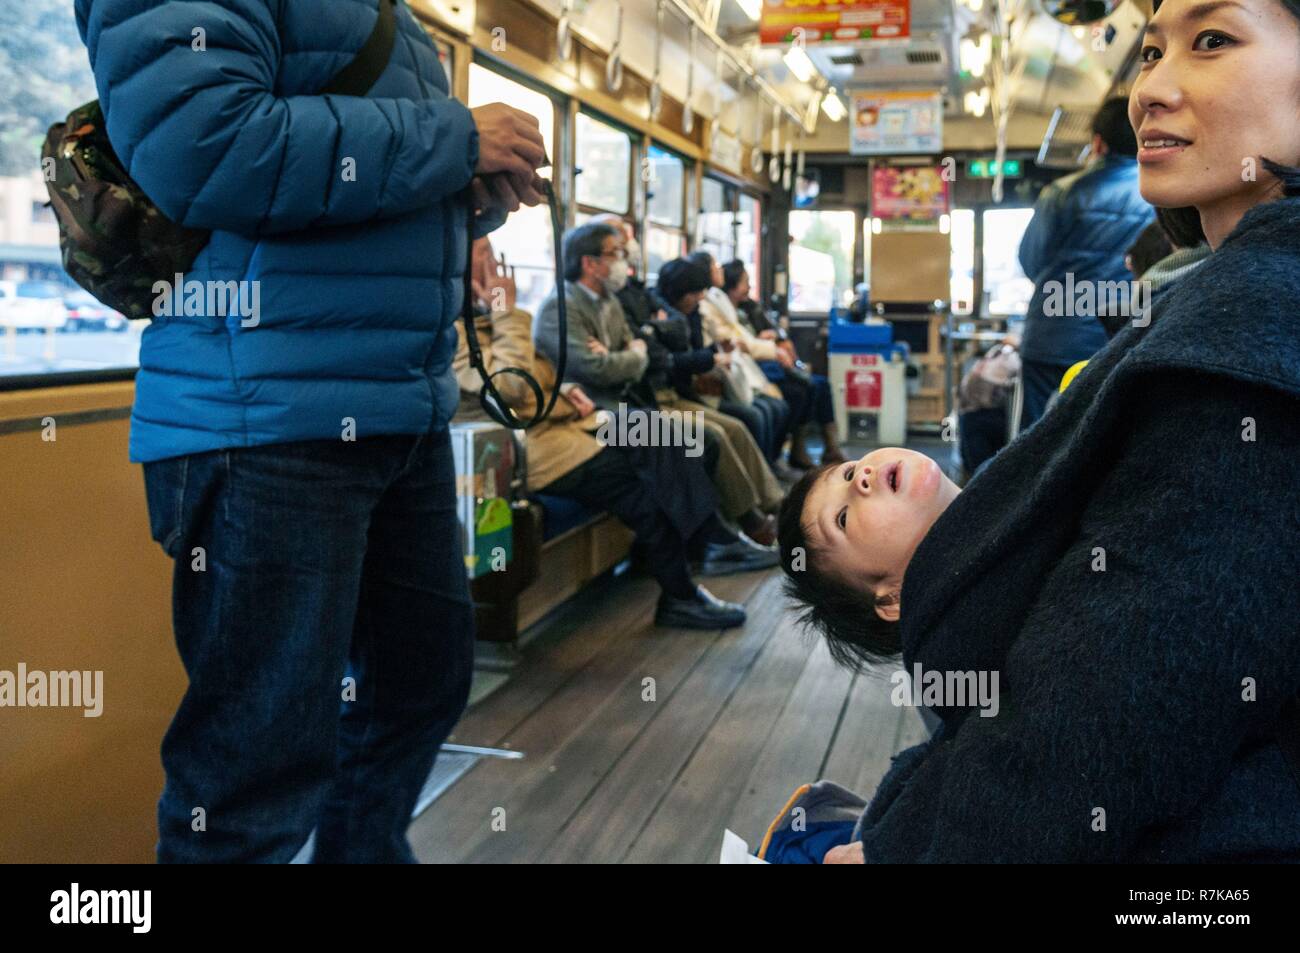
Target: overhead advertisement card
913	195
895	123
833	21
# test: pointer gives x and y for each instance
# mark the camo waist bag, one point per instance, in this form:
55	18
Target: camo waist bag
115	242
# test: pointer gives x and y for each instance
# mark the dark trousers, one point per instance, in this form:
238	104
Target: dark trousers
1041	381
766	419
612	481
981	434
296	565
809	400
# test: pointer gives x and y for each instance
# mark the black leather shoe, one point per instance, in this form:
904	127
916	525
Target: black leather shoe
744	555
705	611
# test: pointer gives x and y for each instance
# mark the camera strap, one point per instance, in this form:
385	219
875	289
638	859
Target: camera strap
492	402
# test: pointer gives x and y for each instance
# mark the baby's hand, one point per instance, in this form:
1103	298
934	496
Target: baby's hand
845	854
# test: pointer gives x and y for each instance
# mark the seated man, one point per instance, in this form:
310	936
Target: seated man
663	495
603	355
747	489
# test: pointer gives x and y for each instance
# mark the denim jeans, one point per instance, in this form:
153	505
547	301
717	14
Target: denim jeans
296	565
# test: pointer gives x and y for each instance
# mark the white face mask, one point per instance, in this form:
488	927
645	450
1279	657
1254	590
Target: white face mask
617	277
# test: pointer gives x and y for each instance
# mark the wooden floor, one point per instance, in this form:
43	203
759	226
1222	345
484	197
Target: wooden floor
618	768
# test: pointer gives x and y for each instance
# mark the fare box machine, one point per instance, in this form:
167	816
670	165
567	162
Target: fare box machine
868	374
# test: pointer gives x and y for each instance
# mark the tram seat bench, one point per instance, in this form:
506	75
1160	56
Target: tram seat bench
577	545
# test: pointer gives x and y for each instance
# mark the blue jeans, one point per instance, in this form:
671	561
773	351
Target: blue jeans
319	560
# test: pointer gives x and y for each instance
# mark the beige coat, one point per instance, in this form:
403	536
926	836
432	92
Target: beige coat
719	320
556	446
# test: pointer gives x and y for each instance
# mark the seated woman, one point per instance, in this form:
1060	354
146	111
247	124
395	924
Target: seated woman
663	495
809	395
762	408
1128	564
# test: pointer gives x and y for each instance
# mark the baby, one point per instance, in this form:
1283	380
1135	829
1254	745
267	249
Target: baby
847	532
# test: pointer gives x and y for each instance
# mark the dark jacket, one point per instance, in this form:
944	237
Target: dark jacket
639	307
1083	225
1122	689
684	336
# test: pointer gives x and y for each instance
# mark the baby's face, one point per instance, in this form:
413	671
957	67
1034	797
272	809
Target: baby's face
865	518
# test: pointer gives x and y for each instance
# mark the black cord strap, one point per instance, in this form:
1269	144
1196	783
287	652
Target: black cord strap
492	402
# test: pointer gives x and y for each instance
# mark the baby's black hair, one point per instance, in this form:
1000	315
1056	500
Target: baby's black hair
856	636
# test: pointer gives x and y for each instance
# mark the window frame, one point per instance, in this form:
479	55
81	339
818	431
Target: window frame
731	194
560	106
856	251
636	151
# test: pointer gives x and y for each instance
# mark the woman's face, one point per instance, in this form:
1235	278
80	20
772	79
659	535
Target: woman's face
1221	79
865	518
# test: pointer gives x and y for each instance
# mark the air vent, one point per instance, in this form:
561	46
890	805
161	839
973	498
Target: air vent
1069	134
847	59
919	57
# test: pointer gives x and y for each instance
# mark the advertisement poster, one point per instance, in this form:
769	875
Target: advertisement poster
911	194
834	21
893	123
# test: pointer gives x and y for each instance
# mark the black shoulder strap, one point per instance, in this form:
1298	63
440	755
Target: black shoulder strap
1288	736
371	60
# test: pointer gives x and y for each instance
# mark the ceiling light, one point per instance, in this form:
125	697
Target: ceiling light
799	64
752	8
833	106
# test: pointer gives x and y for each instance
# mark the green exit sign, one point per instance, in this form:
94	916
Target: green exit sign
988	168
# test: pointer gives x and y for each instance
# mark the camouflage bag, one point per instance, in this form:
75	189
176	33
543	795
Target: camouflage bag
115	242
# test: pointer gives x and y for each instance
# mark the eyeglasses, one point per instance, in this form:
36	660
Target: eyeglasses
620	255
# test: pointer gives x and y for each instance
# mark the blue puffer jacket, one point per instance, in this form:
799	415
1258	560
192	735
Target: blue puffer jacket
359	280
1083	224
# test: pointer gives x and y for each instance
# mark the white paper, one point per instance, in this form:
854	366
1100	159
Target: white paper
736	851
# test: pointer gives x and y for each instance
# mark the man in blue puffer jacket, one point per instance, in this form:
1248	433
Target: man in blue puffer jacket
297	460
1073	251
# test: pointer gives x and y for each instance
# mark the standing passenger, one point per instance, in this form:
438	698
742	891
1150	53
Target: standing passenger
298	463
1082	226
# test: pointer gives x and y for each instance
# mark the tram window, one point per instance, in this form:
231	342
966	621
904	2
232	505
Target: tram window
962	283
821	260
1006	289
40	306
664	188
525	238
716	228
604	156
749	238
661	245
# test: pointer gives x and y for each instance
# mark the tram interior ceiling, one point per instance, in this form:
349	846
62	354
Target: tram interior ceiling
761	277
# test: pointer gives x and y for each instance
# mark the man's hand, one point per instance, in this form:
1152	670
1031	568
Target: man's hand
508	192
726	344
636	344
845	854
768	335
595	347
583	404
721	359
661	315
784	358
509	140
707	385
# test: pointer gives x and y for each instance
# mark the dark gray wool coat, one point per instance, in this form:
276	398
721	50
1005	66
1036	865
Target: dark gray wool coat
1126	691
